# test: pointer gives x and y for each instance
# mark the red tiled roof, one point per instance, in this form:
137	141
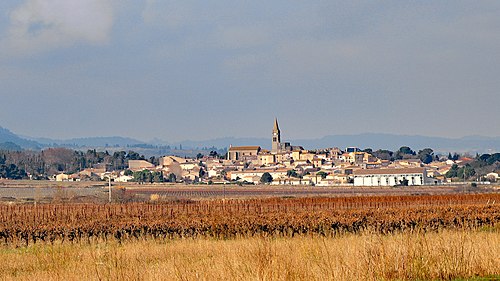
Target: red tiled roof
244	148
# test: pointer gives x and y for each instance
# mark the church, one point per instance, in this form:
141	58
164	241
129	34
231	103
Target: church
245	153
278	146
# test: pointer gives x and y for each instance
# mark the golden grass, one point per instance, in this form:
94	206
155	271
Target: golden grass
447	254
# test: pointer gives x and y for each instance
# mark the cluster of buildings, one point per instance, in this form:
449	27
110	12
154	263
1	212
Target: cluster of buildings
292	165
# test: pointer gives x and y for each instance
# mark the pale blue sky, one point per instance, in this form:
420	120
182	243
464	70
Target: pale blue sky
180	70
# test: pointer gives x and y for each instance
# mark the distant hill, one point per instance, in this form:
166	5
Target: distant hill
471	144
10	146
7	136
224	142
90	142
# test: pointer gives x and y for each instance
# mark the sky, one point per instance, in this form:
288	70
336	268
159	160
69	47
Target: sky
178	70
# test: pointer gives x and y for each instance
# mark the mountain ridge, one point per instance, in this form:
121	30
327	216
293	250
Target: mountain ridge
471	144
6	136
88	141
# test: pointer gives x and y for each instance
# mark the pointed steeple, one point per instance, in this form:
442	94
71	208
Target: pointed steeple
276	137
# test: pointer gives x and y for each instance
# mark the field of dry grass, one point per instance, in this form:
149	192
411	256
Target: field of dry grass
444	255
425	237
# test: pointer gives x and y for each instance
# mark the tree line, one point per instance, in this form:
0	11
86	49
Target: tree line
425	155
45	163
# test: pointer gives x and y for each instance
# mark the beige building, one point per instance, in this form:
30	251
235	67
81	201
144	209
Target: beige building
188	166
91	172
62	177
136	165
317	162
408	163
267	159
282	157
169	160
368	158
303	155
290	181
172	165
242	152
334	153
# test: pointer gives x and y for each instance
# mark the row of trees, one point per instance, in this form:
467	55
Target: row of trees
42	164
464	172
146	176
425	155
482	165
10	171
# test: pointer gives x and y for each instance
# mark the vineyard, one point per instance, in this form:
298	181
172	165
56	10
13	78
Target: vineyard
276	217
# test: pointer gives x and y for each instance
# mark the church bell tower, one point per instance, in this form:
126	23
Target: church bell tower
276	138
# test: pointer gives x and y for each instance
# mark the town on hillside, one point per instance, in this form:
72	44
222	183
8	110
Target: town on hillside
287	164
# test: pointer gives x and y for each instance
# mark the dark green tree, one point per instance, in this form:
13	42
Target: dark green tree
132	155
158	177
292	173
403	182
266	178
11	171
322	174
453	172
172	177
465	172
426	155
383	154
405	152
155	161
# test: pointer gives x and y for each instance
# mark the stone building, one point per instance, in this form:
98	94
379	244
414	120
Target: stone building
243	152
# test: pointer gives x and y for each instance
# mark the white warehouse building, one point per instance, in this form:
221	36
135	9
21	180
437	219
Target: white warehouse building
390	177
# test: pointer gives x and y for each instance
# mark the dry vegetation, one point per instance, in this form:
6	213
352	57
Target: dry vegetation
276	217
447	254
357	238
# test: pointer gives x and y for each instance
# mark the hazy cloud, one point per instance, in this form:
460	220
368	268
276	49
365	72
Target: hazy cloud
39	25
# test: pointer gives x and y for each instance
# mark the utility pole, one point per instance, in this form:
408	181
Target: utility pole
109	188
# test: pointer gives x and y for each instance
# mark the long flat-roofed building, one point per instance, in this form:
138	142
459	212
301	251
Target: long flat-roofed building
390	177
242	152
